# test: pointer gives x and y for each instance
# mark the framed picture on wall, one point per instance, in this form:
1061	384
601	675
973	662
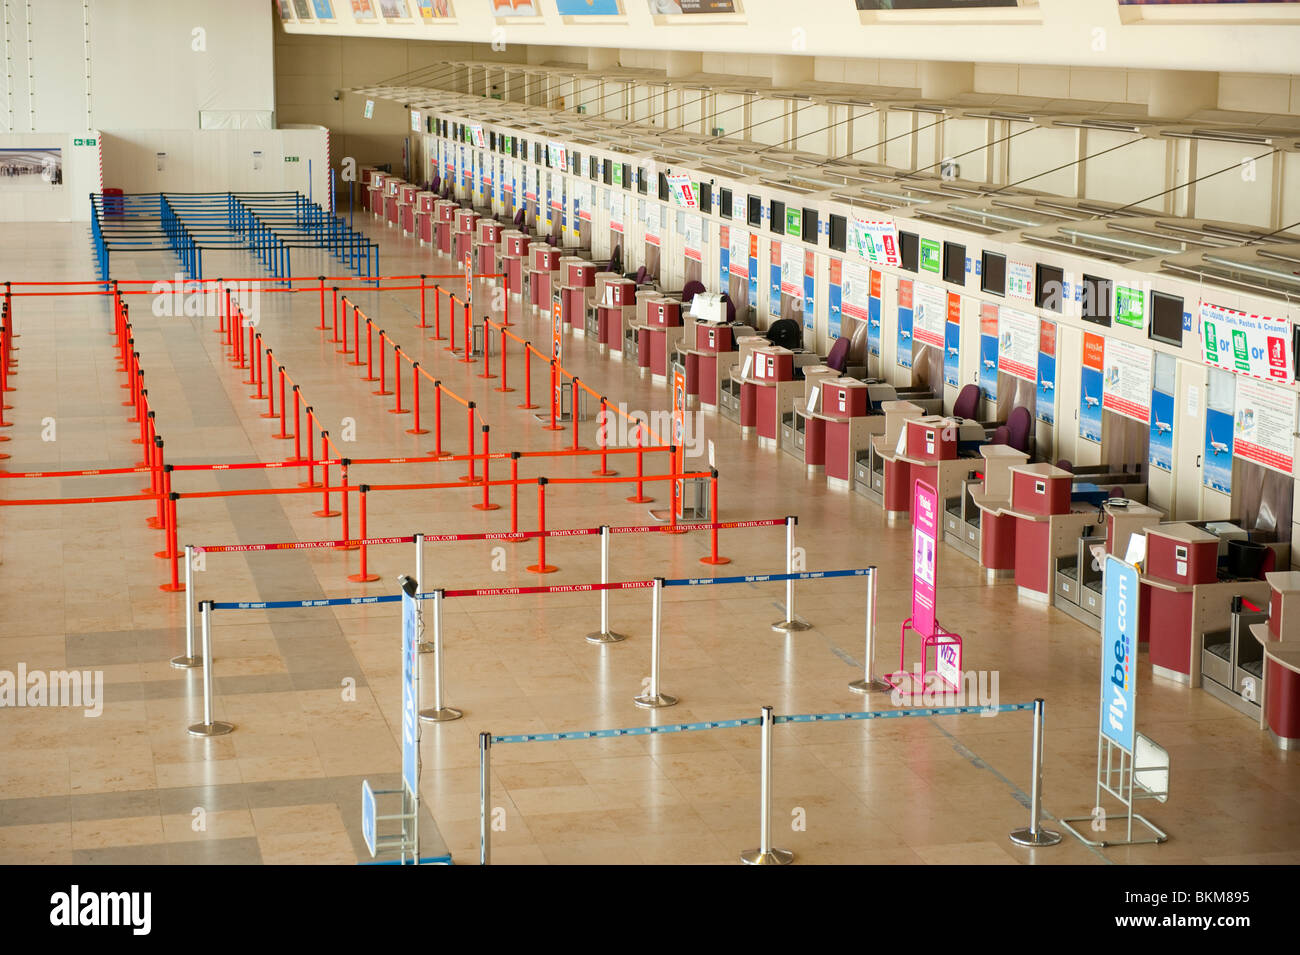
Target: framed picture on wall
324	9
303	9
431	10
363	10
394	10
285	9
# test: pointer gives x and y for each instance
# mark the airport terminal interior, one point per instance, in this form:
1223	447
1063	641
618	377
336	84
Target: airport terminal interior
649	432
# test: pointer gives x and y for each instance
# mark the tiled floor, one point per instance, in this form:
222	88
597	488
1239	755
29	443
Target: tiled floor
315	693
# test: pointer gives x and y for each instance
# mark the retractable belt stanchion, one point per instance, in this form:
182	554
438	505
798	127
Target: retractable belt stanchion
555	400
528	378
356	361
311	449
504	387
423	323
370	358
791	623
335	339
1035	834
869	682
639	497
437	314
451	322
209	726
397	382
602	440
344	507
604	634
415	400
363	576
321	279
424	646
576	387
437	420
541	567
765	854
325	479
486	504
484	796
652	698
469	413
188	660
514	496
439	713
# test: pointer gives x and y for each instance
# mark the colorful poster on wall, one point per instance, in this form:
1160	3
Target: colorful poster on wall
1020	281
834	300
873	314
285	9
676	7
410	693
1264	424
1161	441
933	4
1119	652
925	556
515	8
1254	345
1018	341
683	191
793	223
1126	388
906	318
1130	307
615	211
394	10
35	169
1045	398
856	299
303	9
324	9
774	280
931	256
431	10
791	269
1216	471
809	289
724	257
588	8
875	240
988	372
363	10
952	343
694	239
753	270
929	313
739	253
1090	386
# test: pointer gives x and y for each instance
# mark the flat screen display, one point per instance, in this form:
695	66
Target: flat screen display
1166	318
810	226
993	273
839	237
755	211
706	197
954	263
909	250
1095	300
724	203
1049	287
776	212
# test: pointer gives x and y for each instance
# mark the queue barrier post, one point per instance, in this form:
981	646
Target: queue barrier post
555	399
514	495
469	417
159	521
356	337
270	385
468	337
791	623
713	559
541	567
188	660
451	322
870	683
639	497
345	543
397	382
297	424
370	358
484	796
437	420
438	713
325	479
258	363
504	387
363	576
437	314
486	373
283	434
604	634
423	323
254	357
602	439
1034	834
209	726
528	378
415	401
311	450
335	339
652	698
486	504
765	854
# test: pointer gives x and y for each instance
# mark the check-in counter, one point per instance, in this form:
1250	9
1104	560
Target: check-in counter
1280	639
1047	526
996	531
767	392
801	421
406	208
485	247
425	216
392	201
514	259
375	192
701	361
366	197
848	425
444	224
658	331
577	292
615	309
929	454
542	272
462	239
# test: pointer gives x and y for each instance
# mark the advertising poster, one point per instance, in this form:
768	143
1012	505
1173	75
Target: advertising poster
724	257
1216	470
1130	307
325	9
753	270
809	289
683	191
410	694
989	351
873	314
856	298
515	8
925	555
1020	281
905	305
33	169
875	240
951	353
1018	342
794	223
1254	345
394	9
1090	387
303	9
1264	424
1161	443
791	269
431	10
285	9
936	4
1045	398
588	8
774	281
738	254
834	312
675	7
929	314
1126	388
931	256
695	238
615	211
679	434
1119	652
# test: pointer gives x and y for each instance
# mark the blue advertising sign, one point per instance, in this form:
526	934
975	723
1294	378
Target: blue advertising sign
753	272
1119	650
951	353
873	325
588	8
368	816
1162	431
1090	404
724	260
989	366
774	282
1217	456
904	355
834	299
1045	396
809	309
410	696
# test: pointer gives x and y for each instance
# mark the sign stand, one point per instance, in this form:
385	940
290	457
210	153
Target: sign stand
925	565
1120	747
408	841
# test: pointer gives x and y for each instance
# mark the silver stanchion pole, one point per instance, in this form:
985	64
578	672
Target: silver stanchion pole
765	854
869	682
484	797
790	624
1035	834
652	698
209	726
604	634
424	646
439	713
189	660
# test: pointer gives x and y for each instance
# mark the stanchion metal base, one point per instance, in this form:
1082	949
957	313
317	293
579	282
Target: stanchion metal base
654	702
315	484
324	513
444	715
791	626
771	857
872	686
486	507
536	569
606	636
417	430
186	663
639	499
716	563
363	578
1027	837
215	728
168	588
347	547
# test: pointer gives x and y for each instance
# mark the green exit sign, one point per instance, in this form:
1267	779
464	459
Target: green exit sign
290	158
83	142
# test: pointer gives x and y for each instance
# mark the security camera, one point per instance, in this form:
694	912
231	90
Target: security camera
337	95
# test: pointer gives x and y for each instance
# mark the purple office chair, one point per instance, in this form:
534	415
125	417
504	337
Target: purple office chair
1065	464
731	312
1117	491
519	219
691	289
838	359
1001	435
615	260
1019	423
552	240
967	403
640	275
436	184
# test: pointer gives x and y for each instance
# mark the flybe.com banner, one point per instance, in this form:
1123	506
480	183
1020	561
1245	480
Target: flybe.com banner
1119	646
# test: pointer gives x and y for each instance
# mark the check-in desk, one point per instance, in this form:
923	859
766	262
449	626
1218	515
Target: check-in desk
1048	527
767	393
542	272
929	454
658	331
1280	640
796	424
406	194
514	259
615	309
995	529
897	413
375	192
367	184
462	238
425	216
444	224
577	292
392	201
847	424
701	361
486	243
